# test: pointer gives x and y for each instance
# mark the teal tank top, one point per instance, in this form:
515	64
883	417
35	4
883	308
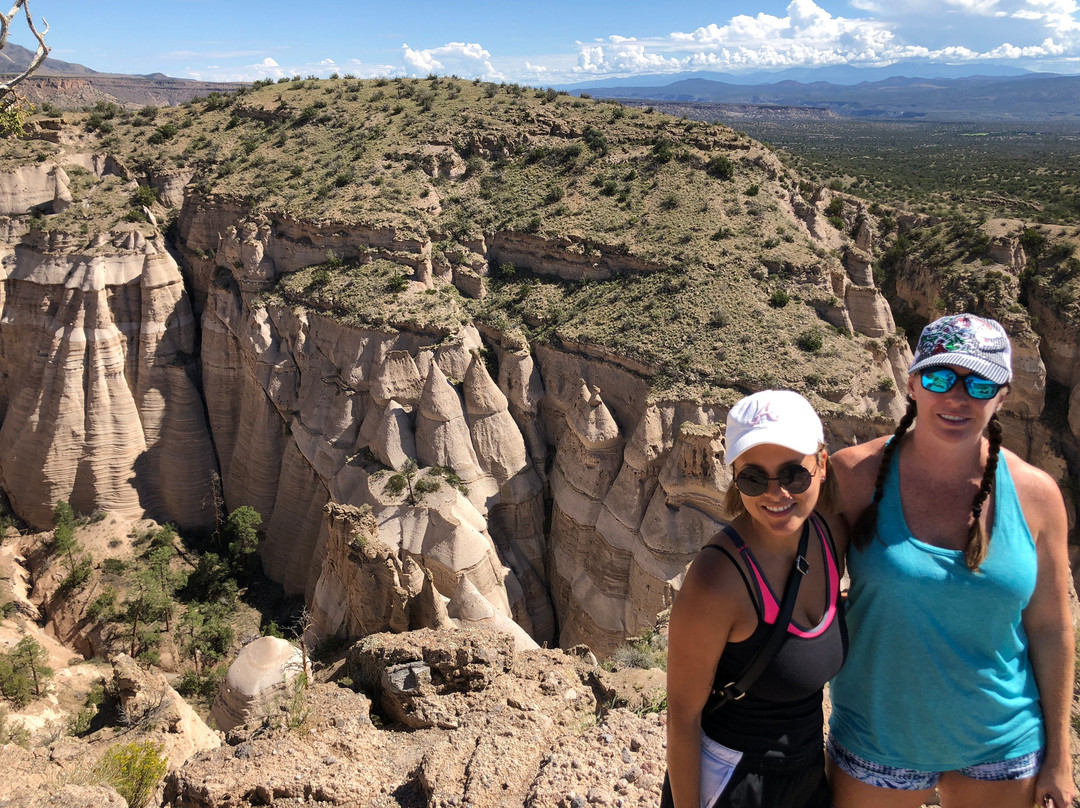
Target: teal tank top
938	676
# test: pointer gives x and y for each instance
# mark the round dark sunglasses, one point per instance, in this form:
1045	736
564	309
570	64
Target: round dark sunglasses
793	478
942	380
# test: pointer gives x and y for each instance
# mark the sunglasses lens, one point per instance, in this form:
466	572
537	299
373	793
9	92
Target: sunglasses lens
938	380
752	481
795	478
941	380
981	388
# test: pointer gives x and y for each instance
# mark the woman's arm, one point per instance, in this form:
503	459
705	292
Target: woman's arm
855	469
1048	624
701	621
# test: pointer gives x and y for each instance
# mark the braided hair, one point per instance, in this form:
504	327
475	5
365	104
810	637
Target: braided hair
865	526
978	542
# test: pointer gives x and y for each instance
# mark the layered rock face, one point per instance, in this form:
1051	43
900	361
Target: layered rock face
99	385
400	485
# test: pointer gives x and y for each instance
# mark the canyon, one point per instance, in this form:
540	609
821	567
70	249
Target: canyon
421	457
140	365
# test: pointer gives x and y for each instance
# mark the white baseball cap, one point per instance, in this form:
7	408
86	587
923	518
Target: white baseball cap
780	417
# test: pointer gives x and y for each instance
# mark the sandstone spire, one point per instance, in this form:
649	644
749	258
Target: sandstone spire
397	378
495	436
443	438
393	441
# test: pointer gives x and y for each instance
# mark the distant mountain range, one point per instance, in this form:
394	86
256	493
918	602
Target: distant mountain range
999	94
903	91
69	85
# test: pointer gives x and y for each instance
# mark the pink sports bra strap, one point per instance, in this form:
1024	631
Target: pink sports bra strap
769	607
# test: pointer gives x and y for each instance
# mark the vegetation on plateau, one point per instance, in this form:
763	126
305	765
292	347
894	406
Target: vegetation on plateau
696	272
690	220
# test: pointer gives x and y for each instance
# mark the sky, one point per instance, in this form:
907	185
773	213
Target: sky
549	42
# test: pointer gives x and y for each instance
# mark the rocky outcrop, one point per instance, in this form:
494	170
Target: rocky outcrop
148	702
260	678
1059	345
567	258
72	92
486	726
366	586
35	778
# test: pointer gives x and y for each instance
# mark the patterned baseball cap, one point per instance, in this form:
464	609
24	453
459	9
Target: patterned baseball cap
780	417
978	344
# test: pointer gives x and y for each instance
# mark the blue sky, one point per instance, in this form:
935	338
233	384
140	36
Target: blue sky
551	42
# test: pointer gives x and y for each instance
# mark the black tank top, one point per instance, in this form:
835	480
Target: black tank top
780	718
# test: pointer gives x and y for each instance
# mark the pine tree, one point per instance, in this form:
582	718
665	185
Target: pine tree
29	656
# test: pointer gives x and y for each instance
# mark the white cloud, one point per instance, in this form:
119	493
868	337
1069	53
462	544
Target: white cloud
269	68
886	32
468	59
989	8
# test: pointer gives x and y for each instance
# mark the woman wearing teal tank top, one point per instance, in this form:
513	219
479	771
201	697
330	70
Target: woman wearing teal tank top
960	671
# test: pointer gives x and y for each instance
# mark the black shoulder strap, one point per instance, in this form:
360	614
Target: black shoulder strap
776	636
752	589
736	565
823	527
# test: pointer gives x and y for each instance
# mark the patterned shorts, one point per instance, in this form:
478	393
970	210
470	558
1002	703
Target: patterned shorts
882	776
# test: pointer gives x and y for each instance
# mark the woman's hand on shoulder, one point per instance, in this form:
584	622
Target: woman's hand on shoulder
856	468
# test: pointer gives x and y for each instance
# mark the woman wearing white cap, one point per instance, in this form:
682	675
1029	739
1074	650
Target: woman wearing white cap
756	629
960	673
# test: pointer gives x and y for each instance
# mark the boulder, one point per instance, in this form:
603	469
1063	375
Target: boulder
261	674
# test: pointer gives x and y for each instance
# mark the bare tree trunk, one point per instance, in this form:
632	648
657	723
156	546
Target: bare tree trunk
42	49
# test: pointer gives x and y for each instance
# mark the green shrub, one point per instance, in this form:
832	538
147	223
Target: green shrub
397	283
645	652
779	299
662	150
810	340
103	604
134	770
427	486
397	483
162	133
720	167
595	140
114	566
11	732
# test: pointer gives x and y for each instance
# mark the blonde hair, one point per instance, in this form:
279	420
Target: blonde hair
827	497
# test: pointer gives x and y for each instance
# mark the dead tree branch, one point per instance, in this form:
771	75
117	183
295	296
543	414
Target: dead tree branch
7	87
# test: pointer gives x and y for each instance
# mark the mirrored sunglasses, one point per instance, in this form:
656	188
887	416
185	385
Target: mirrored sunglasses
942	380
793	478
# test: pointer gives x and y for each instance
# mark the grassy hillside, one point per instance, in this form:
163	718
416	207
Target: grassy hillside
714	276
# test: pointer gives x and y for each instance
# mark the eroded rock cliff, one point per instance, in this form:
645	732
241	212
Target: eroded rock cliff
440	423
